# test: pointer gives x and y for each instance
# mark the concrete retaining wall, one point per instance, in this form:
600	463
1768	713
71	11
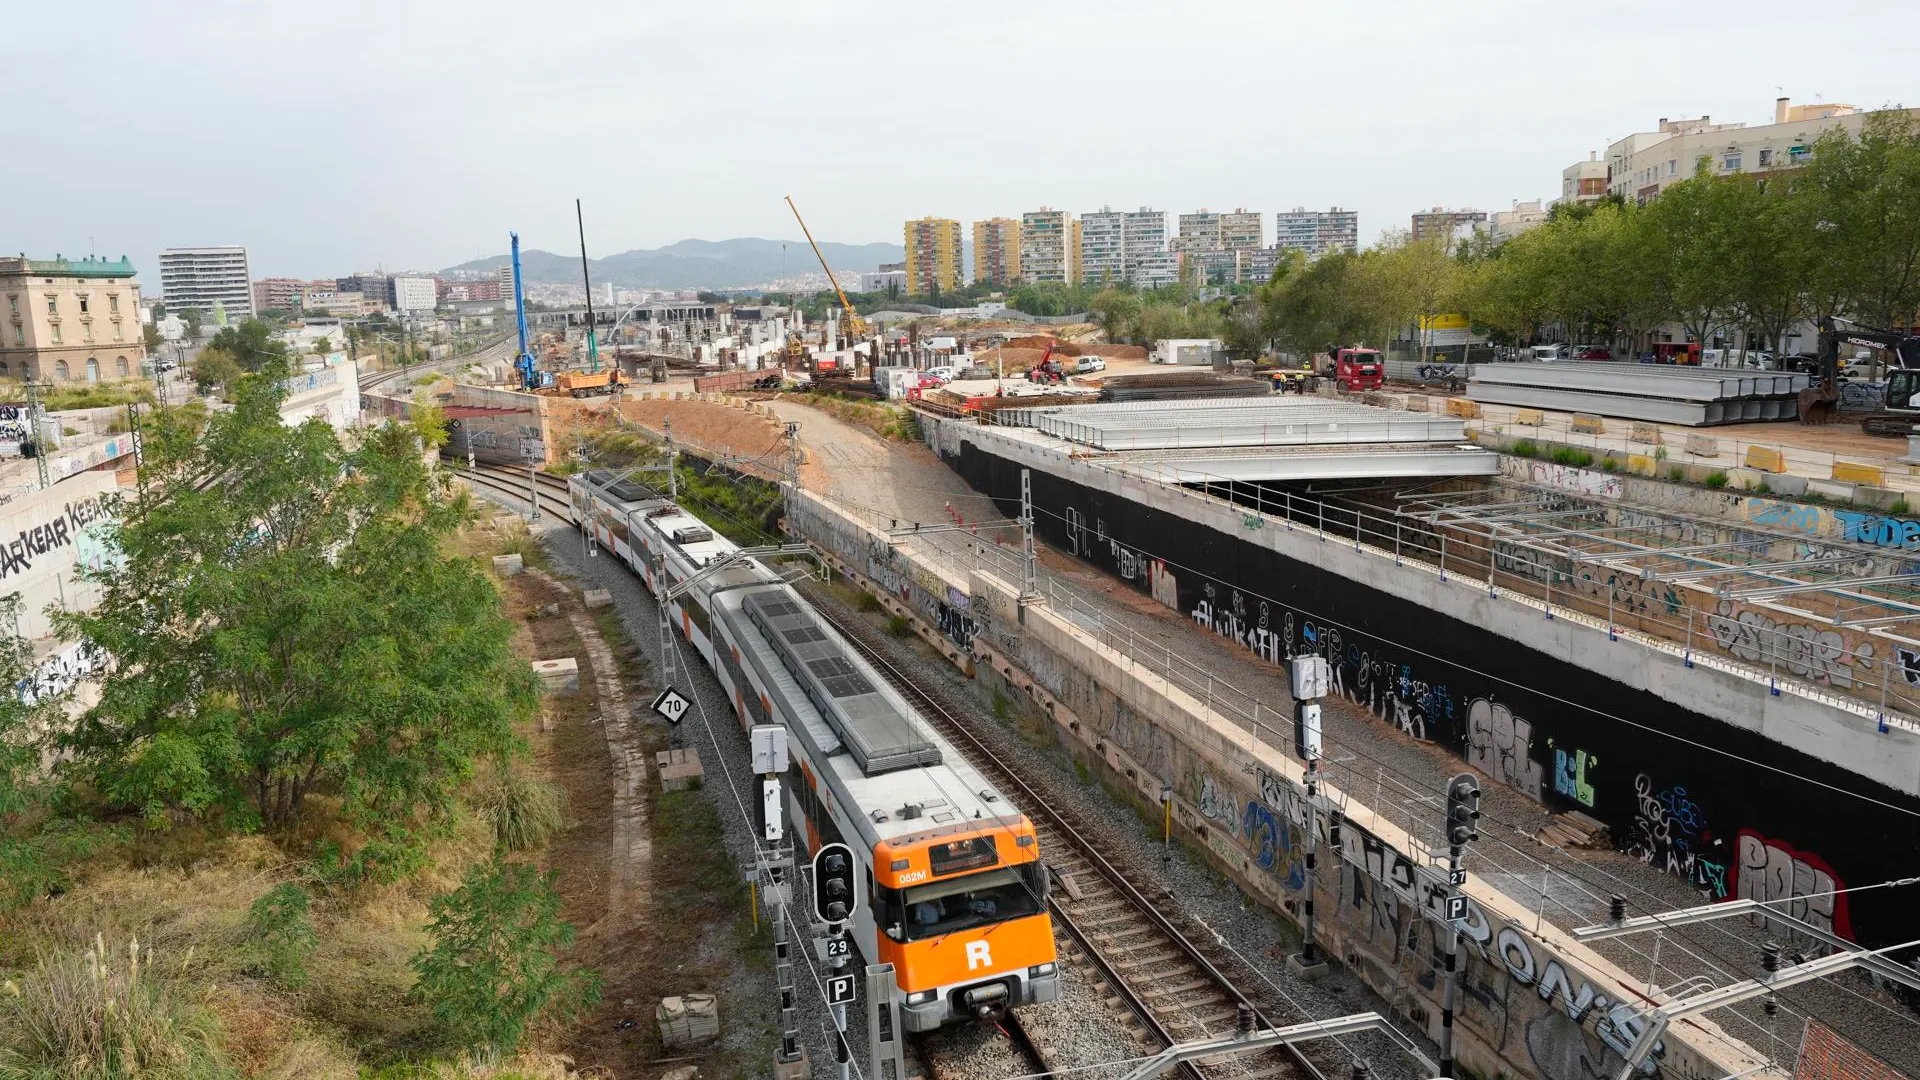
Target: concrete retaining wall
1534	1003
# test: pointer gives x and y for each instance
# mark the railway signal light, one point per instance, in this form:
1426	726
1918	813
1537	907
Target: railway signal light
1463	810
833	883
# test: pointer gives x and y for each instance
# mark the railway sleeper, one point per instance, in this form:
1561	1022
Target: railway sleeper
1158	955
1169	989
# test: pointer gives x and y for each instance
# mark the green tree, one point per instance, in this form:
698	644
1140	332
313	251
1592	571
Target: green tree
494	965
280	935
1865	217
1697	219
322	345
1117	311
150	336
252	344
29	857
194	318
215	369
284	621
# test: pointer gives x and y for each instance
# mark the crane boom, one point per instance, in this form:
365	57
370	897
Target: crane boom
856	326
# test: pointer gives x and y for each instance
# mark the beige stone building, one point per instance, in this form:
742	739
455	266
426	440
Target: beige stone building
69	321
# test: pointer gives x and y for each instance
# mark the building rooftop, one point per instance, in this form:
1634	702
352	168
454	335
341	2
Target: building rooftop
61	266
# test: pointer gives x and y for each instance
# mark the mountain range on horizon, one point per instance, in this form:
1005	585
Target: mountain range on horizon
695	264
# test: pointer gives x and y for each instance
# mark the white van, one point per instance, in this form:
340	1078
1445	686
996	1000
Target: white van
1548	354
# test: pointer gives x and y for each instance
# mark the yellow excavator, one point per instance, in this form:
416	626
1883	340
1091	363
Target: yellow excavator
854	326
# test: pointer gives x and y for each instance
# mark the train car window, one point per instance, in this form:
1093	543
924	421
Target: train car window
697	613
961	855
889	912
990	896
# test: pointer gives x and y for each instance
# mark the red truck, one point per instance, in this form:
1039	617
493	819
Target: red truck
1359	369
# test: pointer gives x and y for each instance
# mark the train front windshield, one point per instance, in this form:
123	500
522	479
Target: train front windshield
962	903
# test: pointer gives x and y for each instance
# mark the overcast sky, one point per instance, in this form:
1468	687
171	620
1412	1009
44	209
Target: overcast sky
414	135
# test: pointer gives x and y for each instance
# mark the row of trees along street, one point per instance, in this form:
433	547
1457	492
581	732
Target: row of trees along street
294	666
1719	253
1716	253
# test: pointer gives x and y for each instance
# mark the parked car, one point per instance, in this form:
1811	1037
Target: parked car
944	374
1089	363
1592	352
1548	354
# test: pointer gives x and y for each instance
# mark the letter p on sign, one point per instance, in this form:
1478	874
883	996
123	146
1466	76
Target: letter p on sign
978	956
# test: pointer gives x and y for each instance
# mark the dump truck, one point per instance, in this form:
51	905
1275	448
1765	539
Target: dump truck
587	384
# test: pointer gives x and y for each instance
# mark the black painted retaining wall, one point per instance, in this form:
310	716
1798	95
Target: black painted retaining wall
1731	827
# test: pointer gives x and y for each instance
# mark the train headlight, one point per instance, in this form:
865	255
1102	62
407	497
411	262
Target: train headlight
1039	970
921	997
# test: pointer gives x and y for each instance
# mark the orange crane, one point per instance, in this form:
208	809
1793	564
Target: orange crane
856	327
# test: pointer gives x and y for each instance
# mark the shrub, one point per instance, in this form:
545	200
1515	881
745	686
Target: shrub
868	602
1659	453
1608	464
1567	455
280	935
101	1014
1676	474
899	626
1716	480
1899	507
1526	448
494	965
523	810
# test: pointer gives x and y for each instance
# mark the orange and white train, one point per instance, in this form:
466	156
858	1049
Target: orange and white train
955	892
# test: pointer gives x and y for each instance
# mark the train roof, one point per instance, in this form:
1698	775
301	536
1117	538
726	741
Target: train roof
609	485
920	787
695	538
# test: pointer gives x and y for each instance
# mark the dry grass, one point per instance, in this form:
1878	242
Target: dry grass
523	810
103	1012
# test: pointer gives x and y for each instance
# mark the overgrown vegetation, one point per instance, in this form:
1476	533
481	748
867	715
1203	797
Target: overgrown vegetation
1568	455
310	722
1716	480
1526	448
493	967
740	507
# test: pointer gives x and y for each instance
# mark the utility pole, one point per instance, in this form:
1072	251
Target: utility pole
1312	679
1029	559
1463	809
673	456
533	481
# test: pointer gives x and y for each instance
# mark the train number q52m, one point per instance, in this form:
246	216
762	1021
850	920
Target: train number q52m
955	892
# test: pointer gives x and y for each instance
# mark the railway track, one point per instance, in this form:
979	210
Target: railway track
554	501
1174	990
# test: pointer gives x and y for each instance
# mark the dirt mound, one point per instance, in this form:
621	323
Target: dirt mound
1118	352
1039	343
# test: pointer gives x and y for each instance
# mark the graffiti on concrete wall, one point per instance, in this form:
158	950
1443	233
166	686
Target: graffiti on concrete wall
60	672
1788	516
1878	530
1804	886
1229	616
1573	772
1808	650
1500	744
1163	585
1670	833
1583	481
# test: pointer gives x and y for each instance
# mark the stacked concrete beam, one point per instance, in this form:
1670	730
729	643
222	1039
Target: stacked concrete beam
1660	393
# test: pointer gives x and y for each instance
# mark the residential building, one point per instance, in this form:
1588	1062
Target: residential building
1584	181
1074	270
203	278
888	268
1145	235
1255	266
1641	165
1317	232
1507	224
462	292
415	295
1199	231
277	293
68	321
1214	266
1046	246
996	251
505	277
894	281
1242	230
1445	223
933	256
1156	270
1103	246
375	288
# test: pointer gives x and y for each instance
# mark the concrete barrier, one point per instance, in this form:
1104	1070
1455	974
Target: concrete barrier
1766	459
1589	423
1854	472
1703	446
1529	418
1644	433
1466	408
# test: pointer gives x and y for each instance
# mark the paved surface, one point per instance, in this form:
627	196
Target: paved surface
1391	771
